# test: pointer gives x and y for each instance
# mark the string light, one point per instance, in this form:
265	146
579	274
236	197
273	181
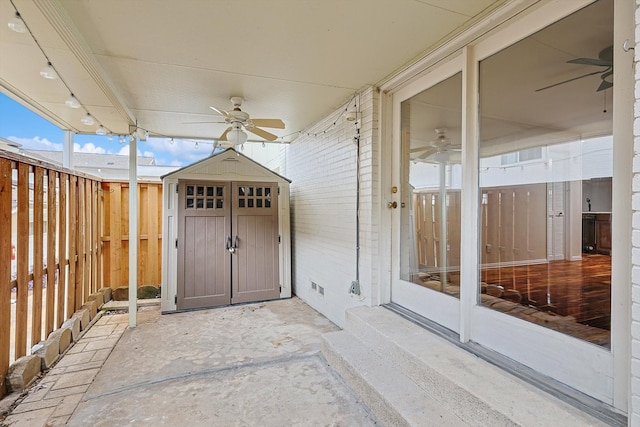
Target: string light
48	72
18	25
72	102
87	120
343	115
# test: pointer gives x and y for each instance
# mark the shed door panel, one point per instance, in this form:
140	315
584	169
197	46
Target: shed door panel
204	263
255	222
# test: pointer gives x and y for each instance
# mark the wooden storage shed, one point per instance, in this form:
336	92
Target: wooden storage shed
226	234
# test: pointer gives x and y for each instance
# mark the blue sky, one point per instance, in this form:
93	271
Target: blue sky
21	125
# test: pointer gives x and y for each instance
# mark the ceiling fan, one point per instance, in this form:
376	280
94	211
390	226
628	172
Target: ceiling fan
437	149
239	120
604	59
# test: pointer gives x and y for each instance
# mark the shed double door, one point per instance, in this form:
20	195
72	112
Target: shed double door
227	243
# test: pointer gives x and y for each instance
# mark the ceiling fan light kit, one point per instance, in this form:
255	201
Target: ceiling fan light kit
236	136
239	120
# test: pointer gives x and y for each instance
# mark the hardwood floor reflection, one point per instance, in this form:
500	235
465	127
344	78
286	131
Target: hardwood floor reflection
578	292
572	297
581	289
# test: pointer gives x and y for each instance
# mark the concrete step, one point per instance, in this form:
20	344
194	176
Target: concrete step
410	376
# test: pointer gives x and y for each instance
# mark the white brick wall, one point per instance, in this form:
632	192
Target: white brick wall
322	166
634	402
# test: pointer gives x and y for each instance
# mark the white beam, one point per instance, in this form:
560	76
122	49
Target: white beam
67	150
133	233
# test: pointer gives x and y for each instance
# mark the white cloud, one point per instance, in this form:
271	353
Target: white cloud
36	143
180	152
124	151
89	147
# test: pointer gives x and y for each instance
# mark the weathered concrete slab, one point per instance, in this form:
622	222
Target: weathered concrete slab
121	293
64	337
92	306
106	294
73	325
114	305
48	351
97	297
84	316
288	391
257	364
22	372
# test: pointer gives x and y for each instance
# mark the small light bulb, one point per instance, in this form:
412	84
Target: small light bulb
17	24
101	131
196	146
171	141
87	120
48	72
72	102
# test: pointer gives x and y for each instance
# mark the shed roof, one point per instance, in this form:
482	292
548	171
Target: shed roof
220	157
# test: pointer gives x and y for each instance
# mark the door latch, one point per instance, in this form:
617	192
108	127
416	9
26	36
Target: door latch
228	245
392	205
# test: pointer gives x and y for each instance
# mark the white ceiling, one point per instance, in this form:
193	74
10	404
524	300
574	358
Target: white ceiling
514	114
162	63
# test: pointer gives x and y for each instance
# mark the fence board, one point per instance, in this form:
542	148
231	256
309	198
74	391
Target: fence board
94	236
5	270
71	252
38	261
51	250
71	227
89	225
115	234
63	179
80	230
22	255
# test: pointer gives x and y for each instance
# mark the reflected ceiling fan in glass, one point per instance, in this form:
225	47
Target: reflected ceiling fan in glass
437	150
604	59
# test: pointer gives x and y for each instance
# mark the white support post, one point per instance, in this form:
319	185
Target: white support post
133	232
470	182
67	150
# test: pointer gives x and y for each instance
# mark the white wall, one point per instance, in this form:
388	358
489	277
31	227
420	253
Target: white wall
322	166
634	402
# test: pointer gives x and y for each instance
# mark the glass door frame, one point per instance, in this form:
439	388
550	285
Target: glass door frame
551	353
441	308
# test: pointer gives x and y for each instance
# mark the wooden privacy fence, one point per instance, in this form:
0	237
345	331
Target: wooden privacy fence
62	236
115	234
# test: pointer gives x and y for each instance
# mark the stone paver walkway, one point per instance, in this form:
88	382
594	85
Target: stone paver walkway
56	396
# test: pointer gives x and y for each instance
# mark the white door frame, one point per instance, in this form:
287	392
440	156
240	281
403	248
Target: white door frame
607	379
439	307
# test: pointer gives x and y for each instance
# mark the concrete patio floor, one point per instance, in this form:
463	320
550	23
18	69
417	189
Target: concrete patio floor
254	364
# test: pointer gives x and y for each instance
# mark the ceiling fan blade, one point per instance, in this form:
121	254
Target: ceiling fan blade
221	112
268	123
568	80
604	85
263	133
197	123
223	137
427	153
590	61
